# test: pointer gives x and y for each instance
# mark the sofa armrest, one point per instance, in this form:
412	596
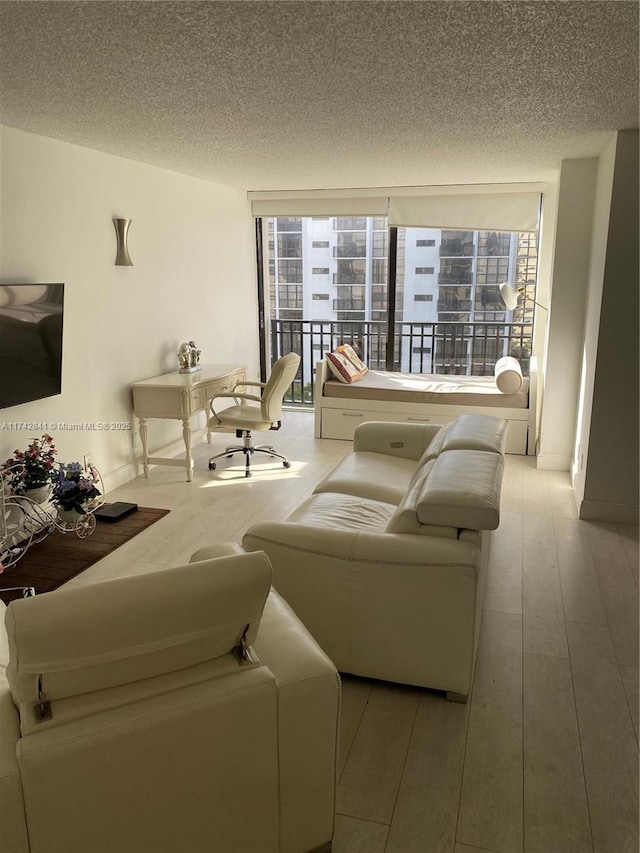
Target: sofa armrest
308	688
285	541
300	539
13	828
405	440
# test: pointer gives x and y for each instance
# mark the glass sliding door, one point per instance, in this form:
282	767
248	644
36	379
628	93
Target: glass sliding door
327	285
451	317
419	300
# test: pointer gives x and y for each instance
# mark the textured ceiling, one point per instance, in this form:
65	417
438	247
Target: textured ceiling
270	95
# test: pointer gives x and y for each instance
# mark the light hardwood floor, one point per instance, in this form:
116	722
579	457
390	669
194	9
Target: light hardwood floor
544	758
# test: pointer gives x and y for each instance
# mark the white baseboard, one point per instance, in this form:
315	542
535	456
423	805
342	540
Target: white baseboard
608	511
549	462
123	475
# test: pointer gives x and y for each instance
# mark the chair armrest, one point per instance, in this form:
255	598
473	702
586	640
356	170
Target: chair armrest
405	440
237	396
241	384
230	395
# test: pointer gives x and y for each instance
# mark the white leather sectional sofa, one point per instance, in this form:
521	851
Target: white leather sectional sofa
386	562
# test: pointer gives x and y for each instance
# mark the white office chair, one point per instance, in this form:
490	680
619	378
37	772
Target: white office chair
256	413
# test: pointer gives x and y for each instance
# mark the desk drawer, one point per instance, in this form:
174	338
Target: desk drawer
177	399
198	400
223	387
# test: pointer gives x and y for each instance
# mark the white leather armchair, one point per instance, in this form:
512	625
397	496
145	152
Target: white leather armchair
180	711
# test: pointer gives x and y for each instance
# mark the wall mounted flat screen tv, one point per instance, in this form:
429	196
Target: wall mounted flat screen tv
30	342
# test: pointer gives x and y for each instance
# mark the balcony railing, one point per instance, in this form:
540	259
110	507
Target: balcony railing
350	251
348	305
434	347
455	277
454	305
456	248
348	277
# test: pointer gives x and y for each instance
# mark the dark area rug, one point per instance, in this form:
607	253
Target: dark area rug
61	556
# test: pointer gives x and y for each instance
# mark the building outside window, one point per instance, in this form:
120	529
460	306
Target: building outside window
290	270
449	316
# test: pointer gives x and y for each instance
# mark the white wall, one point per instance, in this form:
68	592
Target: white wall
567	311
602	205
590	406
193	278
611	475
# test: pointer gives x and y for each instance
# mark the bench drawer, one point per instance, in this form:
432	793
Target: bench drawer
341	423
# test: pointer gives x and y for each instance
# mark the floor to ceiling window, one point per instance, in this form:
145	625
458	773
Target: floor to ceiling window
437	309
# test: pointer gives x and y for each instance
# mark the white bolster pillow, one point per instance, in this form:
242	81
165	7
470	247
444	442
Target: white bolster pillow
508	375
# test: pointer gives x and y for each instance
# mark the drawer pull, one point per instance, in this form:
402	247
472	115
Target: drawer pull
352	415
420	420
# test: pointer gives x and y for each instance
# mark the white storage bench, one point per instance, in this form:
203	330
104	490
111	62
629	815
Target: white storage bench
423	398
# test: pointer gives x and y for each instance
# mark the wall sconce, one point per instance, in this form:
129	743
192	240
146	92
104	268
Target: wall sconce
122	254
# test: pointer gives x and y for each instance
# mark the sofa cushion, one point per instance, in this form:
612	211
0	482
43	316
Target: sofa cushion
405	518
343	512
392	438
435	446
476	432
374	476
462	489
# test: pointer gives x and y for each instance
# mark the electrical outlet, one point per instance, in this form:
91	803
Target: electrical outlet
89	461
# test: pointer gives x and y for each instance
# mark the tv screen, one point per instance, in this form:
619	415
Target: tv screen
30	342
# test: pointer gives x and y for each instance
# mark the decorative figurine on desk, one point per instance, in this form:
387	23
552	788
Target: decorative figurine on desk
188	357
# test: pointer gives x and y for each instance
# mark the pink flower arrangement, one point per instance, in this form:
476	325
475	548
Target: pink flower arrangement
31	468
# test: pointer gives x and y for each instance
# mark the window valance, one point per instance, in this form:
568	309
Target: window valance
478	212
496	207
318	204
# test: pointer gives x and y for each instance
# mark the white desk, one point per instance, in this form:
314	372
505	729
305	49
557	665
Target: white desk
178	396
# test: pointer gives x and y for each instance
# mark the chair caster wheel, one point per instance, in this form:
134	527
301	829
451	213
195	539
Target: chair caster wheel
212	466
286	464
